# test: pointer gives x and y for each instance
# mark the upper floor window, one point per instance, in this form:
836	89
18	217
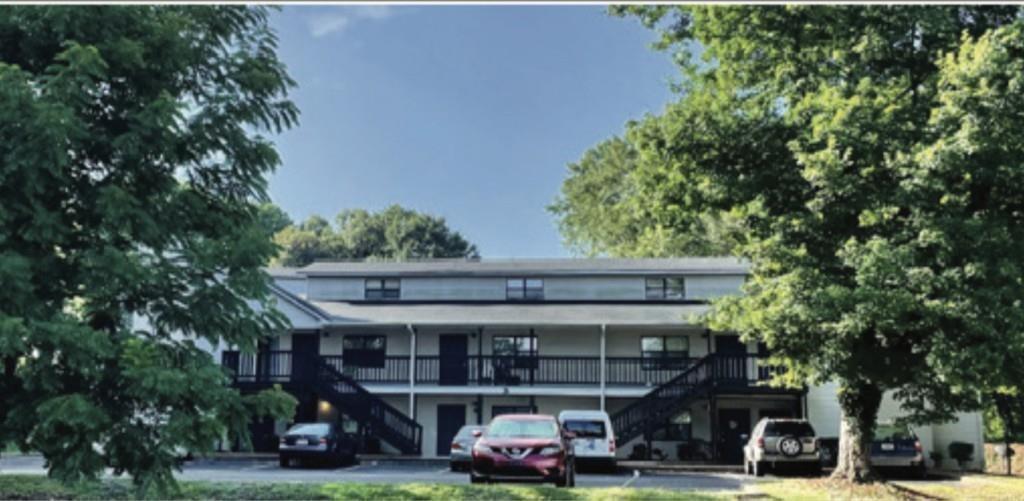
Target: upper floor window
520	350
383	288
363	350
666	288
524	289
516	346
664	352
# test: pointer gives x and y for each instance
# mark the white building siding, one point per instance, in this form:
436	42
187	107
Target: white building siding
336	289
461	288
594	288
712	286
295	285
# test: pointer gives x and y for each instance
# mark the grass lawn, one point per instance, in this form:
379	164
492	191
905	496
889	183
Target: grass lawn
38	487
973	487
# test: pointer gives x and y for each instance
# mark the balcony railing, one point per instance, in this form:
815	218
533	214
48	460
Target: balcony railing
485	370
497	370
265	366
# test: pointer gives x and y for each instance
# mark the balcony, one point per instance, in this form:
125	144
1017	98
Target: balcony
492	370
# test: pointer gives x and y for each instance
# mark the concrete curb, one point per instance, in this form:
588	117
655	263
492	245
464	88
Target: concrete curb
658	466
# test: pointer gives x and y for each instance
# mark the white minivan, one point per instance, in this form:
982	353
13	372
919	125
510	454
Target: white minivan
594	440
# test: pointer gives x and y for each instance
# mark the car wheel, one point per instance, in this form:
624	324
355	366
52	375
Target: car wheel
473	479
283	461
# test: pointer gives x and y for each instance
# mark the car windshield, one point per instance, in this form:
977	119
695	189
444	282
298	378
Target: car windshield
585	428
889	433
319	429
522	428
467	431
782	428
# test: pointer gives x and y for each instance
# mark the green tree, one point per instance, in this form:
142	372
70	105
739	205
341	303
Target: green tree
273	219
602	210
871	156
132	163
394	233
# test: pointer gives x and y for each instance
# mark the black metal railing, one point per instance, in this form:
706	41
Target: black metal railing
718	370
386	421
393	370
265	366
499	370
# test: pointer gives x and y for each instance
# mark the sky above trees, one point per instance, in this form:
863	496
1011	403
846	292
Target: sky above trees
469	113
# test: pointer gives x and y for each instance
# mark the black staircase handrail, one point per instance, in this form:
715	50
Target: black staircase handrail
627	422
395	424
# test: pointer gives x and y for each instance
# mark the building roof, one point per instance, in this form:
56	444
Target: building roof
542	267
283	272
347	314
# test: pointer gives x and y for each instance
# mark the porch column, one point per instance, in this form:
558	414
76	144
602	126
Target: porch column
604	368
412	370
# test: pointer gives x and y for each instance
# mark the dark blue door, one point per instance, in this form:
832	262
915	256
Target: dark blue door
305	350
454	355
450	417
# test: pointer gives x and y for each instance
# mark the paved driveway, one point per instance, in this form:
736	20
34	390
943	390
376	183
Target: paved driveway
399	472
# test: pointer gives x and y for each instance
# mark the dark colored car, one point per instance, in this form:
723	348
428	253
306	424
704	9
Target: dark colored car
896	446
461	455
322	442
524	447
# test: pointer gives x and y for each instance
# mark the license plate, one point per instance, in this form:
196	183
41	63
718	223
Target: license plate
516	462
888	447
302	441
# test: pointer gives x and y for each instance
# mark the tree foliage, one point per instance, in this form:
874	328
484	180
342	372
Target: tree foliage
132	160
872	157
393	233
603	210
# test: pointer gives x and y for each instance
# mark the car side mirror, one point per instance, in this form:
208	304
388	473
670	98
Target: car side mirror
477	433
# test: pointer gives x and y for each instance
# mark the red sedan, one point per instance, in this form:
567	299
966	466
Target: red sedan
523	447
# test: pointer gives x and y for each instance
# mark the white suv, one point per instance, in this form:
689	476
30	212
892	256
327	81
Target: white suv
594	440
776	442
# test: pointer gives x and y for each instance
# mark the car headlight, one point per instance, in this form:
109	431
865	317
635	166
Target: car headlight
480	447
551	450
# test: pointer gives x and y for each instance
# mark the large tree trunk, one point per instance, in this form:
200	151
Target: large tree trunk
859	402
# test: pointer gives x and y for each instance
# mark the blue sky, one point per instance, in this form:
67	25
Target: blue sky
467	112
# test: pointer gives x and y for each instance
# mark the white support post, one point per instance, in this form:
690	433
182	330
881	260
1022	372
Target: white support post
604	368
412	371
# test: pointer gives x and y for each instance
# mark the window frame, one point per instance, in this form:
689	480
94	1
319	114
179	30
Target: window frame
660	291
381	290
520	359
525	291
363	356
664	358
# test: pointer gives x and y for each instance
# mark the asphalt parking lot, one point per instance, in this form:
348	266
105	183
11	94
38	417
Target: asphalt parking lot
403	472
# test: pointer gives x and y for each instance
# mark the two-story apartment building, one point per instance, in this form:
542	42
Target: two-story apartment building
408	352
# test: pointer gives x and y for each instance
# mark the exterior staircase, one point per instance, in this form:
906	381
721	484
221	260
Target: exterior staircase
383	420
645	415
311	373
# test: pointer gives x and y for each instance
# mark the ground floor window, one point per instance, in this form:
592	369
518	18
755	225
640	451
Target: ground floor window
362	350
679	427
